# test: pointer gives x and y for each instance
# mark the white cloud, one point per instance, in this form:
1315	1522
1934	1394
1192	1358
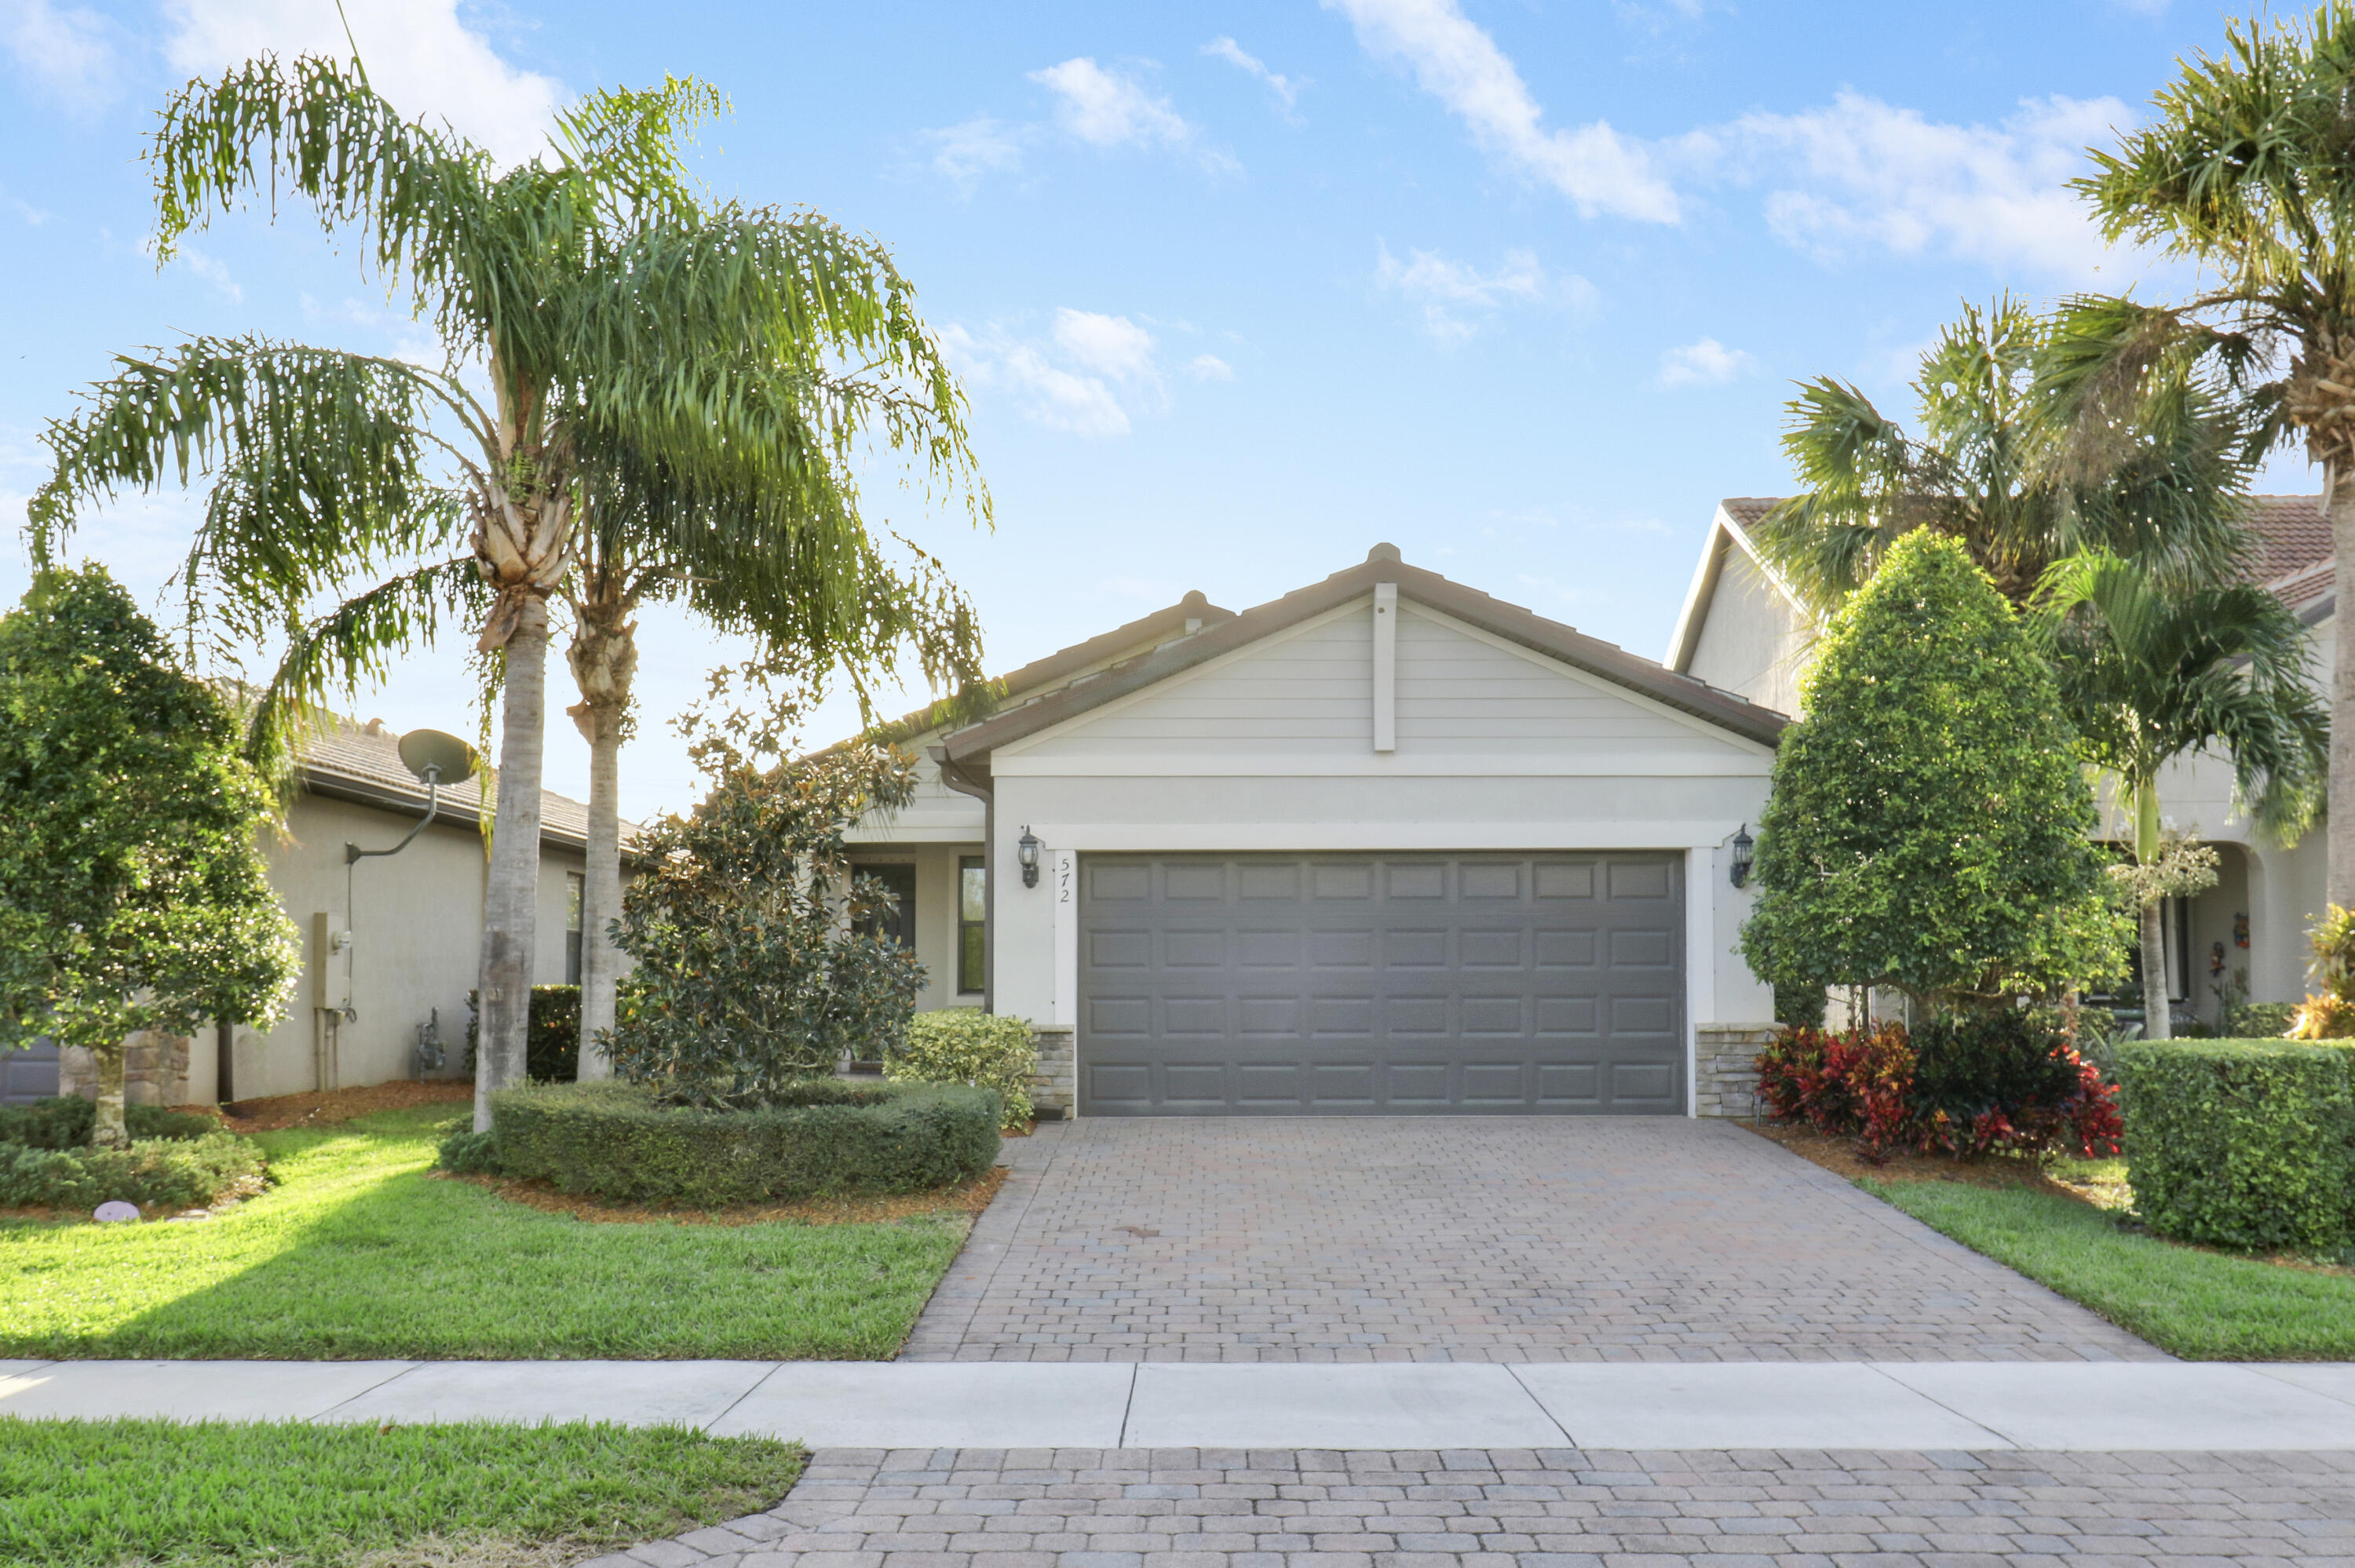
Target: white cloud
980	146
1084	376
1210	368
201	263
418	54
1108	109
1458	63
1708	363
1861	175
1287	88
1450	292
68	52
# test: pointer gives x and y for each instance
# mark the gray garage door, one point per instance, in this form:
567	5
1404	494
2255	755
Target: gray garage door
1380	984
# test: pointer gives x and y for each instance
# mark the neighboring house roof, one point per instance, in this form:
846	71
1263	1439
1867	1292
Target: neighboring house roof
969	747
2291	554
361	762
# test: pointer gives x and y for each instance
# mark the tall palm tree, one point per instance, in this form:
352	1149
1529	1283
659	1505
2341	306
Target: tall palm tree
590	286
2243	168
1990	468
2149	673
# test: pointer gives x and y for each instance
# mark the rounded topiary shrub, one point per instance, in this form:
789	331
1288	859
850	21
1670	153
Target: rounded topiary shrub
817	1138
966	1046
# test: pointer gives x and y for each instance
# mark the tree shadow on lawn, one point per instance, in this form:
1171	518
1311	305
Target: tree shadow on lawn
361	1255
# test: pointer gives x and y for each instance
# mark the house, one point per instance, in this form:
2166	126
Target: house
390	944
1743	631
1383	845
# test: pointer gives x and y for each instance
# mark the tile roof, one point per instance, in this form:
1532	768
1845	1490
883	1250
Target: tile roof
2290	539
362	762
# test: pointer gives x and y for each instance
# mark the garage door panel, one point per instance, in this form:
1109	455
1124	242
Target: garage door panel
1366	984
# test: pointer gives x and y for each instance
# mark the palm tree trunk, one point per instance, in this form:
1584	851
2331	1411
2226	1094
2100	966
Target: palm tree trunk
109	1130
2338	486
604	660
601	893
2155	1024
511	901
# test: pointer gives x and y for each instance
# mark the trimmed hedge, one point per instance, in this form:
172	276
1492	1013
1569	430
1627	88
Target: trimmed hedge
2243	1143
172	1173
63	1122
820	1138
2260	1021
966	1046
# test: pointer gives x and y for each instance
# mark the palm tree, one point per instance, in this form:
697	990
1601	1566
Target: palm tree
2149	673
1988	468
591	286
2243	168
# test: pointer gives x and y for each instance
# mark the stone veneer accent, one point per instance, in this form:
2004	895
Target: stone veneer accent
155	1070
1055	1087
1725	1070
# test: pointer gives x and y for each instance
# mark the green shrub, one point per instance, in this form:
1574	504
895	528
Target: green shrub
966	1046
2260	1021
470	1153
552	1039
172	1173
2243	1143
813	1138
63	1122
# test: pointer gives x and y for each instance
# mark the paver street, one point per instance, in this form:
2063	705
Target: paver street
1513	1239
1185	1508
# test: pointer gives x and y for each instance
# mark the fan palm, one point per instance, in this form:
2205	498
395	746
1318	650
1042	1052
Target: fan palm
2149	673
698	373
2243	168
1987	469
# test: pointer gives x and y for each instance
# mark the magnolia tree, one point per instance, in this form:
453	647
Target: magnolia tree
754	969
132	894
1930	828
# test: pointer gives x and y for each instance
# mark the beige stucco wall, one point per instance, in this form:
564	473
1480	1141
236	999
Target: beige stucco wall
416	923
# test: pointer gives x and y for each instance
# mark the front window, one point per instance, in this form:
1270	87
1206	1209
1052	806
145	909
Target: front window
893	914
572	886
972	917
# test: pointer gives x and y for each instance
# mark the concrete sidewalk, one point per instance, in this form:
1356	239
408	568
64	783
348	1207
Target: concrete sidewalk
1887	1405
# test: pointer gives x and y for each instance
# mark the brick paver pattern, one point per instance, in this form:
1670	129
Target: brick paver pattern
1536	1508
1468	1238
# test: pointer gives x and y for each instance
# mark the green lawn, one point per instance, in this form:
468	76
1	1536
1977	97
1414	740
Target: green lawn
96	1494
357	1253
2202	1306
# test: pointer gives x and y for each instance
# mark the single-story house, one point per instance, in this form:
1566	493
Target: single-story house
1383	845
390	944
1742	630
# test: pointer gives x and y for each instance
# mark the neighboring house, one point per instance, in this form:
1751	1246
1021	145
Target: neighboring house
1743	631
389	943
1385	844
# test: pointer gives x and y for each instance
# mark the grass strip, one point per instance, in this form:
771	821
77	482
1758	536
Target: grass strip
359	1253
2193	1303
103	1493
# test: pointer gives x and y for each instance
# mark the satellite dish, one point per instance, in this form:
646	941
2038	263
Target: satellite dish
424	749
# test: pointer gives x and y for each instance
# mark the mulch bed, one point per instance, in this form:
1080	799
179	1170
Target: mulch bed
335	1105
1839	1156
970	1200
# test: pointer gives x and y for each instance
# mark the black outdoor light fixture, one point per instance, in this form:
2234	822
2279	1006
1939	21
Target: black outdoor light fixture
1026	850
1744	846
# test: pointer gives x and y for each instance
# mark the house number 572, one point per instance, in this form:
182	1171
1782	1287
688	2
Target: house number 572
1063	879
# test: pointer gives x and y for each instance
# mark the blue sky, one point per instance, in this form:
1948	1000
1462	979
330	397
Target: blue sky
1236	291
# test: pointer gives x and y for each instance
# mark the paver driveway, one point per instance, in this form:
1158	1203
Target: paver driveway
1199	1508
1430	1238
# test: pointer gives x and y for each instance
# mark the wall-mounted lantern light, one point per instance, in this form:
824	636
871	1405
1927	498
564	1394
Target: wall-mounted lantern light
1026	850
1743	848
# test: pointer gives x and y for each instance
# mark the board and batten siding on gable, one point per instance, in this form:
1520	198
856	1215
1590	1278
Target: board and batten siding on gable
1270	747
1754	643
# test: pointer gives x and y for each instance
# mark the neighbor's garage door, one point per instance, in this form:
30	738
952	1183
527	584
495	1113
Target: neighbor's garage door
1380	984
